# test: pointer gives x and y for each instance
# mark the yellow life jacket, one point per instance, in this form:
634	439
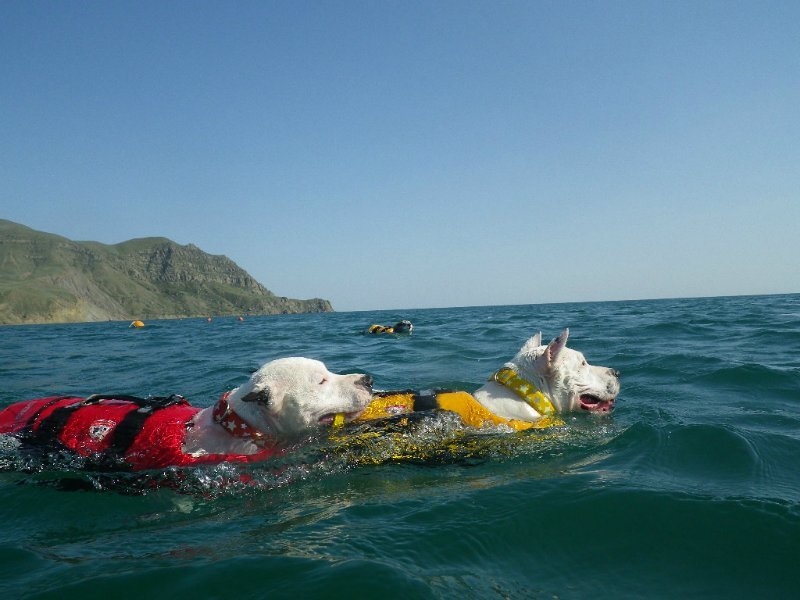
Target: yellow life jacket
380	329
472	412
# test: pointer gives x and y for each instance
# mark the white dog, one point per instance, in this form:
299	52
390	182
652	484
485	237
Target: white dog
284	398
281	400
561	374
529	391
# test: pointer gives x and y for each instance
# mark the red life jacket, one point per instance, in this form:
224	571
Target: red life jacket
123	431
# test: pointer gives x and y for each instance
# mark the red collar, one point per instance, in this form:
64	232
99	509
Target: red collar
233	423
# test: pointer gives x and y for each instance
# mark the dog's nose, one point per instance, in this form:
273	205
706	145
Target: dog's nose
365	381
615	373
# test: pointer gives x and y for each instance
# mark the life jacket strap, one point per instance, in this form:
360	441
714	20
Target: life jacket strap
132	424
526	390
51	426
27	429
155	402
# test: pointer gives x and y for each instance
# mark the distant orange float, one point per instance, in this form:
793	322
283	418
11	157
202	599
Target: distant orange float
136	324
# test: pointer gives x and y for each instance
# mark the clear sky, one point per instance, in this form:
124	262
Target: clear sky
418	154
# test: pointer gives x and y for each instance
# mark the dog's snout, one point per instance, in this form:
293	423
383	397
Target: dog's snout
615	373
365	381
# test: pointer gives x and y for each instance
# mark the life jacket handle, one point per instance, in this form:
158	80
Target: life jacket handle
155	402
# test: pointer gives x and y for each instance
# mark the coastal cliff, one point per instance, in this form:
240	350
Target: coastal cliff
46	278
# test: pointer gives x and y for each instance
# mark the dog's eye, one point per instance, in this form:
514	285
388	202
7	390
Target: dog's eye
583	362
323	381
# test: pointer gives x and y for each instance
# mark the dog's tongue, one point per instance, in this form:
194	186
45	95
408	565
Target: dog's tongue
595	404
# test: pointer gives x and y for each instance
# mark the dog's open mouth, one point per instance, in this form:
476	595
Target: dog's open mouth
348	416
595	404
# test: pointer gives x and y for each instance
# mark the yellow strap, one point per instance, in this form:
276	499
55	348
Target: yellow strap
525	390
338	420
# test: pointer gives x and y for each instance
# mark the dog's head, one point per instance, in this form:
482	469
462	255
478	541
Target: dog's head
291	395
403	326
565	377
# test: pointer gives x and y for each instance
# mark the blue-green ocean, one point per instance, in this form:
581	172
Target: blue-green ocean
691	488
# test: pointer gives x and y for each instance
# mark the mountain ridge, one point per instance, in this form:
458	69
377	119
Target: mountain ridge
47	278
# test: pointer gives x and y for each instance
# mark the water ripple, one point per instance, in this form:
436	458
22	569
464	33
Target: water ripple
695	470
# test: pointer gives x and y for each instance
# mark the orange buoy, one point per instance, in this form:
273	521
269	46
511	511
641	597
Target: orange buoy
241	318
136	324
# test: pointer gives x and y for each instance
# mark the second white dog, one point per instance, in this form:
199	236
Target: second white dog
561	374
284	398
530	390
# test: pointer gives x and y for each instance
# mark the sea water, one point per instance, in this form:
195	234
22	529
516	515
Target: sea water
689	489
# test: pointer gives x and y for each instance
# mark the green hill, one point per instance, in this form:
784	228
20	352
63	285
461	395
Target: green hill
46	278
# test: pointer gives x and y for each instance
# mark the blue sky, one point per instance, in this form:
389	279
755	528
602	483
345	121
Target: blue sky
418	154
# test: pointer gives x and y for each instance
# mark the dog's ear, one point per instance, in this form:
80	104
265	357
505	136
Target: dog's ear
262	396
531	345
555	347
